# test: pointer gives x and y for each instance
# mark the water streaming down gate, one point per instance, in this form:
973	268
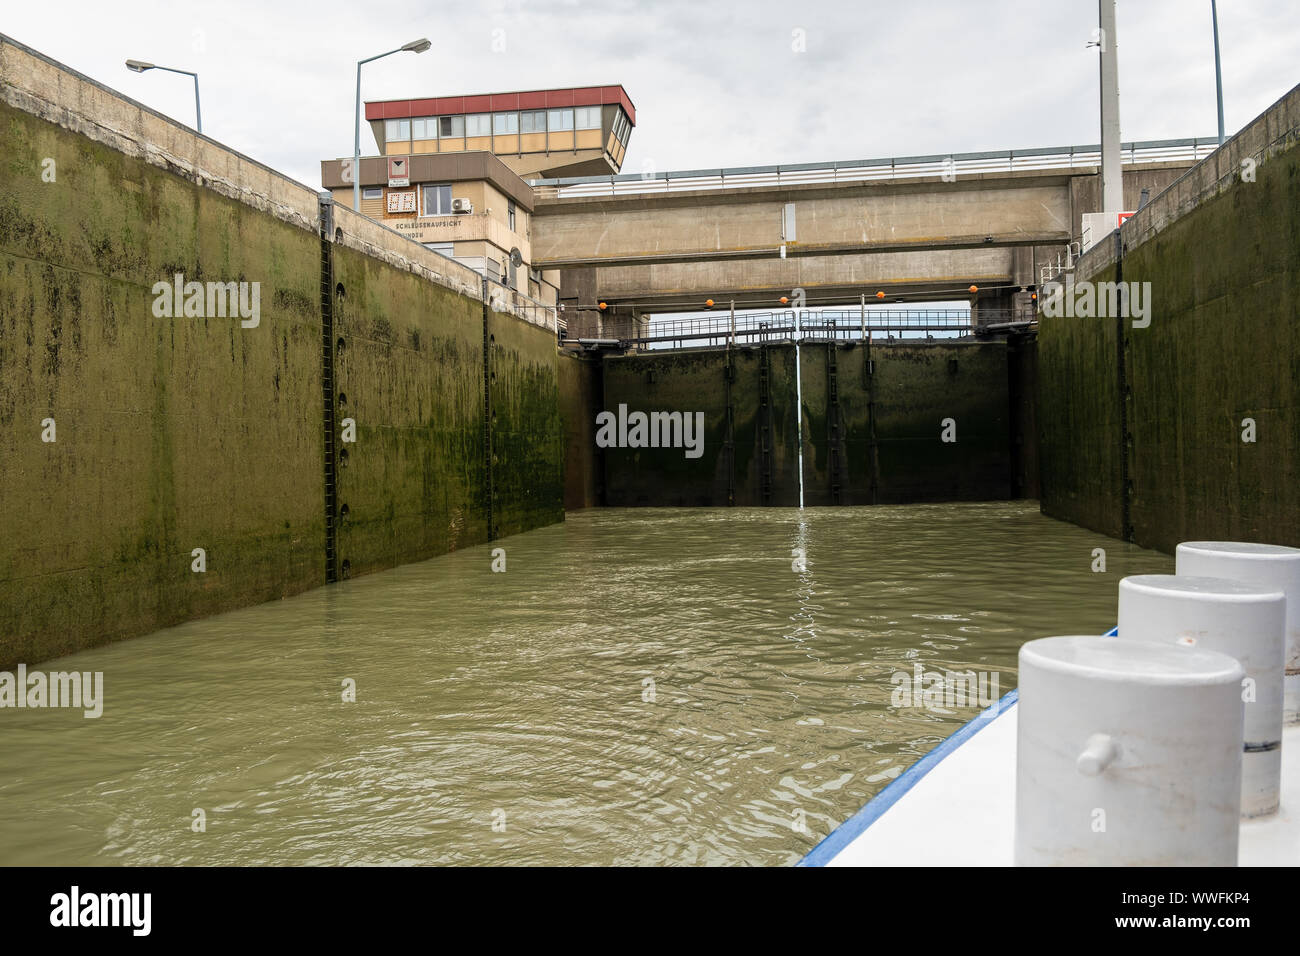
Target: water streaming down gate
798	404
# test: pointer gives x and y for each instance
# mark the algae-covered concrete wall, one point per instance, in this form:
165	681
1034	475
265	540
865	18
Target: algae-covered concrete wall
1079	419
132	436
1022	372
580	390
877	437
169	434
730	469
898	399
1224	351
409	373
1221	251
527	432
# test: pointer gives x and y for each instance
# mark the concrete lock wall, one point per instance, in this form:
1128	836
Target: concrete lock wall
1142	428
527	433
170	434
878	439
409	372
580	390
177	433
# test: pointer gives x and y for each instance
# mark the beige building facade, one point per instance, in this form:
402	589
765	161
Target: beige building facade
451	171
467	206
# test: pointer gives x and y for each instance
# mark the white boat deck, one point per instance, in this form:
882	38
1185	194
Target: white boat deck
956	807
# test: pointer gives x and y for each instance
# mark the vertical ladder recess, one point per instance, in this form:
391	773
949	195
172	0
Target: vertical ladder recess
873	459
765	423
328	387
729	441
833	421
1125	392
488	484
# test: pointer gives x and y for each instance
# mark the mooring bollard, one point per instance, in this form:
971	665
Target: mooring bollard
1269	566
1128	754
1246	623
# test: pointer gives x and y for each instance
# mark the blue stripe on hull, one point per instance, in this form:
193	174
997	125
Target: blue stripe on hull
853	827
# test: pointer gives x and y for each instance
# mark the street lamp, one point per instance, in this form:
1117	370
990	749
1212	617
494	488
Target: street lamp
415	46
1112	185
1218	73
139	66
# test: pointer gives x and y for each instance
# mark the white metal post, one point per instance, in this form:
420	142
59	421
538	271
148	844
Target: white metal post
1112	185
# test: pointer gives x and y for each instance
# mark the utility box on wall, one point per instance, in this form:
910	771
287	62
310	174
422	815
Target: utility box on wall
1098	225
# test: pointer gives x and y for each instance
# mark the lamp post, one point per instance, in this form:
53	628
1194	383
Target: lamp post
139	66
1218	72
415	46
1112	186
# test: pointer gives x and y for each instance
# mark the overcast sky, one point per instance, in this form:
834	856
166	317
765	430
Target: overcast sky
714	83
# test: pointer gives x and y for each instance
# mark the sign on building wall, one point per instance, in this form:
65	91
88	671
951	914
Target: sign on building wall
401	202
399	171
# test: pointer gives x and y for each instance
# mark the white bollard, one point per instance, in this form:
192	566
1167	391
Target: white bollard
1271	566
1128	754
1240	620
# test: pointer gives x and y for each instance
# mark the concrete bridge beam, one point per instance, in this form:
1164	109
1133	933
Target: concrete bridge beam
1027	208
835	280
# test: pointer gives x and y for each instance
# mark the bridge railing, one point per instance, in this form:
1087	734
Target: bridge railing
954	165
757	328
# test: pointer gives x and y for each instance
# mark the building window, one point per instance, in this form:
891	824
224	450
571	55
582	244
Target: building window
397	130
622	127
478	124
451	127
533	121
447	249
437	199
503	124
372	192
587	117
559	120
510	214
424	128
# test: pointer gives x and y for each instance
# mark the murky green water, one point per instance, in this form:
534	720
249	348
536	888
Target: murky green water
520	698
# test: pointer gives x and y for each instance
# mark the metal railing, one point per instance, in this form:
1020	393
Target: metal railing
502	298
952	165
1063	263
757	328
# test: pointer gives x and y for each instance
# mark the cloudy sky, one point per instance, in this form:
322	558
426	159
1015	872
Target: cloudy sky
714	83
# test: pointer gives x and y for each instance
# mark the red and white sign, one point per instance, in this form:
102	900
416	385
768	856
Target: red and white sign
399	171
1120	217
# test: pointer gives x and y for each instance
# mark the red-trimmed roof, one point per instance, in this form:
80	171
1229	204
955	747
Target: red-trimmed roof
494	102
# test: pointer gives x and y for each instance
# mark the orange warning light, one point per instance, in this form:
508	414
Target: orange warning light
974	289
708	303
603	306
785	300
880	295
